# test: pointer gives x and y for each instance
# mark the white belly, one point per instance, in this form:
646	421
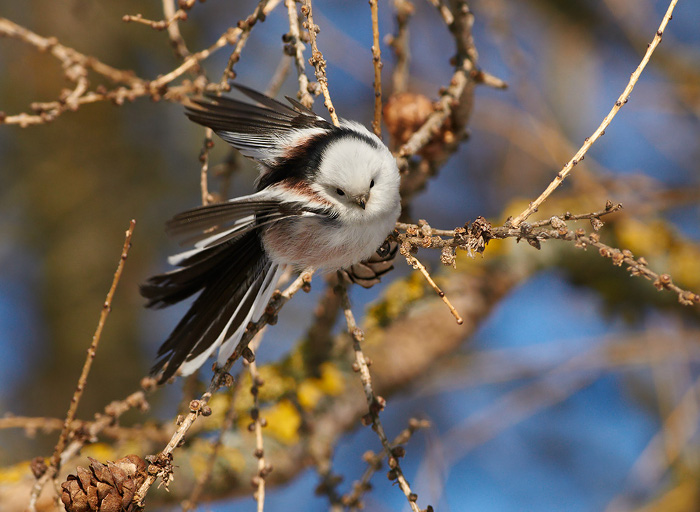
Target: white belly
310	242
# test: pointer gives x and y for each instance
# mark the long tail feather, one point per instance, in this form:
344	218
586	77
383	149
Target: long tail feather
235	278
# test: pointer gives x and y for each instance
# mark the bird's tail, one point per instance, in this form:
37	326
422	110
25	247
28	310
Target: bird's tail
235	281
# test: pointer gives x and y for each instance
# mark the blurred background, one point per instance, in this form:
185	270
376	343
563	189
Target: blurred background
578	391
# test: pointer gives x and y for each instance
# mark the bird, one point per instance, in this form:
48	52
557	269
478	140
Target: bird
325	199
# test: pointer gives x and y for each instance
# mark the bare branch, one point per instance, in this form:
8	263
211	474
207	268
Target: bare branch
377	62
318	61
295	48
375	403
55	463
399	43
600	131
161	465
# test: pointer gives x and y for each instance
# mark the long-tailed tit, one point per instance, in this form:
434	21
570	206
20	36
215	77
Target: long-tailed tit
327	197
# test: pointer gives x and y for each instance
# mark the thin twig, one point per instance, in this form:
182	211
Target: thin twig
352	500
417	265
432	124
375	403
176	39
258	423
377	62
158	25
473	238
453	98
263	8
318	61
55	463
89	432
204	172
296	49
161	466
66	55
76	64
600	131
399	43
229	416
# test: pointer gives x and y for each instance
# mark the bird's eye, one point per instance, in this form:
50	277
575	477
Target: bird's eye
339	192
371	184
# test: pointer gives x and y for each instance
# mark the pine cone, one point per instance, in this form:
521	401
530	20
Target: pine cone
405	113
368	272
105	488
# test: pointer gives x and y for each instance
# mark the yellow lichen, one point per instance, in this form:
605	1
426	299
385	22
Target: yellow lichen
219	404
331	383
283	422
276	383
15	473
201	452
100	451
396	298
648	239
683	263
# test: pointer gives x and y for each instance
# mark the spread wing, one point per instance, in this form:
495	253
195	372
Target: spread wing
263	132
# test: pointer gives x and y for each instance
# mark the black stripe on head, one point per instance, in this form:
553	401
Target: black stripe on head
301	163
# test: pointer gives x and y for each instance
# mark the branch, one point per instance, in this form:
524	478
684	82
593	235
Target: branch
353	499
261	11
377	62
474	237
318	61
257	426
76	66
229	416
161	464
600	131
399	43
375	403
60	449
294	46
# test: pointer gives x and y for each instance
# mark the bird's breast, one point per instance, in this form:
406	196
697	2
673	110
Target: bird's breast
316	242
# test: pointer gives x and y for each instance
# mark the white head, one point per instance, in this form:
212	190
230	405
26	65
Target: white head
358	174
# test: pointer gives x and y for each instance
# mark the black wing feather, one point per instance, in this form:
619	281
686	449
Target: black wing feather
222	113
211	215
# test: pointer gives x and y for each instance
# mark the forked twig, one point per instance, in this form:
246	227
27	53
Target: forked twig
374	461
174	34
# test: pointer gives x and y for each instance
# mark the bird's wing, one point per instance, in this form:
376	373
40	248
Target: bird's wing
262	132
228	268
217	223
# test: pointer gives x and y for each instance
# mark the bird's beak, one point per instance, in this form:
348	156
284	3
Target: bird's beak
361	201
